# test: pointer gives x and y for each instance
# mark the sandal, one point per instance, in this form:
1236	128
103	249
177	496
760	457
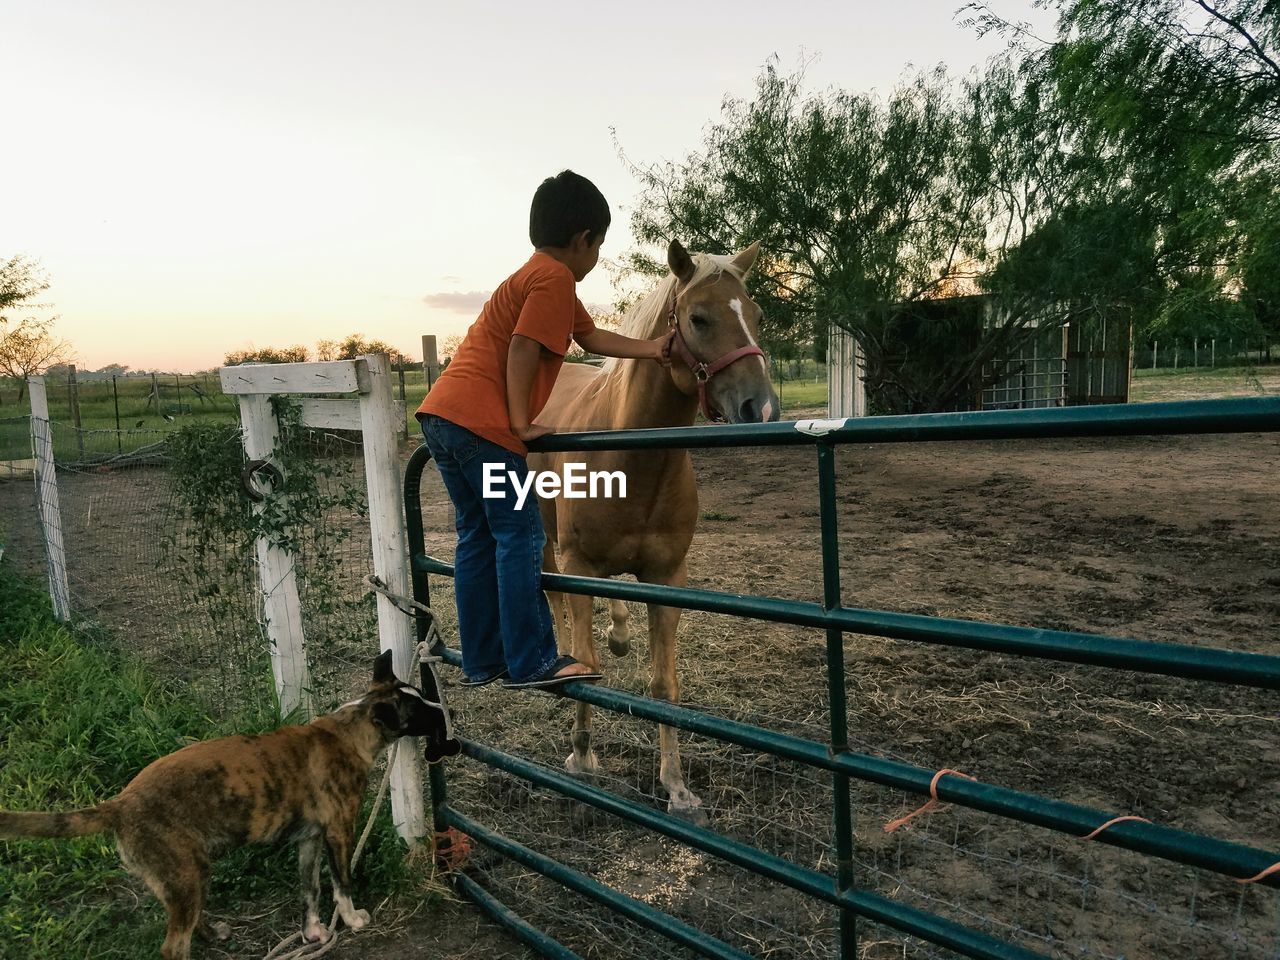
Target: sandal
550	678
483	681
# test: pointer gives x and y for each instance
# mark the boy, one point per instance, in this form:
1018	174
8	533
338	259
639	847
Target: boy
481	410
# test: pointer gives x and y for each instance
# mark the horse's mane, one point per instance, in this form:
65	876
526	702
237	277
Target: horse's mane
648	318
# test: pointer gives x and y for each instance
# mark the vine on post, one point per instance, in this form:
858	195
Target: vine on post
312	515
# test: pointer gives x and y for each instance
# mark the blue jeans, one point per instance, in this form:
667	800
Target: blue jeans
504	620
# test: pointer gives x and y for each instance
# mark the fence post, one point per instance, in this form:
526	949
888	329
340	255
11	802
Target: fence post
280	604
73	392
47	504
403	432
390	564
430	361
115	397
841	815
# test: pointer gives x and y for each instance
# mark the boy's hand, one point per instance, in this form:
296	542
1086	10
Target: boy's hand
533	431
662	347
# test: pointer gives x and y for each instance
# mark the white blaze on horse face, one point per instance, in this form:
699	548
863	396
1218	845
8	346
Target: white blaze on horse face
736	305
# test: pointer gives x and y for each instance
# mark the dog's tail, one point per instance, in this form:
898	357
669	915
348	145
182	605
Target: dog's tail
74	823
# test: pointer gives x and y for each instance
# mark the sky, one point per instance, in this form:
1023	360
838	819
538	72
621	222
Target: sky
201	178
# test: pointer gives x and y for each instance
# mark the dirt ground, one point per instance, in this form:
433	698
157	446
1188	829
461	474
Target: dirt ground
1168	539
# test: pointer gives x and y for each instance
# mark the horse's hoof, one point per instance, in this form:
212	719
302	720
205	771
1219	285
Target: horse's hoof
690	813
619	646
221	931
582	767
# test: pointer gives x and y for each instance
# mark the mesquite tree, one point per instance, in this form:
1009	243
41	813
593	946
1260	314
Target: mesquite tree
871	211
1181	98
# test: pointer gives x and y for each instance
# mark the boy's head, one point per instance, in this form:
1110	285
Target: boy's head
568	212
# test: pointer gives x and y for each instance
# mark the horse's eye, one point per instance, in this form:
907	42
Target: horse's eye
698	320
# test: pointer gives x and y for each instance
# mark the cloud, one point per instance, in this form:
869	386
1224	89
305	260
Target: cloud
470	302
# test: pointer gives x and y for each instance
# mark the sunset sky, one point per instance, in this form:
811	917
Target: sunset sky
199	178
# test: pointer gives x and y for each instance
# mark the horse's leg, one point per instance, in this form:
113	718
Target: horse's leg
556	600
665	685
583	759
620	631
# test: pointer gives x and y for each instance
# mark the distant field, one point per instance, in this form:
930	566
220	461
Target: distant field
188	399
1205	384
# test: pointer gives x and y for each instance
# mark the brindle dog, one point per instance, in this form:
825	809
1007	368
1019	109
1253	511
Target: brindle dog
299	783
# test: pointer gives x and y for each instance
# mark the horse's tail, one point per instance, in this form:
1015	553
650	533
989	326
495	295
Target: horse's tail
74	823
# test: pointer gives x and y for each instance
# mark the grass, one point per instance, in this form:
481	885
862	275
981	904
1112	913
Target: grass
78	719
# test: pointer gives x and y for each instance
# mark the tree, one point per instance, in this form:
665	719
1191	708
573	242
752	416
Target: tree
295	354
28	346
1182	100
356	344
872	212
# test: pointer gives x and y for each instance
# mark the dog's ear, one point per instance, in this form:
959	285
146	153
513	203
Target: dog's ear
382	671
387	716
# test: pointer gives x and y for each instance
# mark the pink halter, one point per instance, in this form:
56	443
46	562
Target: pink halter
702	371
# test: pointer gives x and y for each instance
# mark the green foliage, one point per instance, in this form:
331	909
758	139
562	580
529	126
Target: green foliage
209	552
27	345
1179	101
295	354
77	721
871	210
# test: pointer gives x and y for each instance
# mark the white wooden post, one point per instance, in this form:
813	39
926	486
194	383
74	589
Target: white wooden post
47	499
381	424
378	416
280	604
846	370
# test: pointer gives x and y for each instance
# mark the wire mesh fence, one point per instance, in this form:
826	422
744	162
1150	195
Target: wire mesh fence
186	597
1159	747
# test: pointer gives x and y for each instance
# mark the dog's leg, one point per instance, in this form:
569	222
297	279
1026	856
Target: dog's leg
313	928
338	837
176	870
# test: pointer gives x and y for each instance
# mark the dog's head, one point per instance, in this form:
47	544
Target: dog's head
399	709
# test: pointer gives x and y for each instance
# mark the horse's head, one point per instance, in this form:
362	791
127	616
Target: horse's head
715	353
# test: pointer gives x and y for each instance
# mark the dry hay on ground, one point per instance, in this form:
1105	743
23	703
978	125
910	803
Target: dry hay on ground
1169	539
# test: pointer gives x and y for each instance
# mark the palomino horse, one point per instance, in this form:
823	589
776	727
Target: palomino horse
716	364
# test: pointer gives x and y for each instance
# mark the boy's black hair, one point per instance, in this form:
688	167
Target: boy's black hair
565	205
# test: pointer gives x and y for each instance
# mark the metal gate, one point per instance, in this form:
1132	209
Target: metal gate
837	888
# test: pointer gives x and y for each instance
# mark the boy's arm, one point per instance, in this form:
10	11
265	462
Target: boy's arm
522	368
606	343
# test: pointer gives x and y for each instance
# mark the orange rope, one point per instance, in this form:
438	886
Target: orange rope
1275	867
1112	822
453	847
893	825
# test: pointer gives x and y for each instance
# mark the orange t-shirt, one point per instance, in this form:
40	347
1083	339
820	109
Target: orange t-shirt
538	301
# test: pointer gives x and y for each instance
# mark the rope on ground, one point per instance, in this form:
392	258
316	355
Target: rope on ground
453	847
310	951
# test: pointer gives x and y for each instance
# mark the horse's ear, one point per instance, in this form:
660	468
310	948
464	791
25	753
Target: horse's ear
680	262
745	260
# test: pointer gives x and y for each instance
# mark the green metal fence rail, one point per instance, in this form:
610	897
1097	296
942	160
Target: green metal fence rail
1222	666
